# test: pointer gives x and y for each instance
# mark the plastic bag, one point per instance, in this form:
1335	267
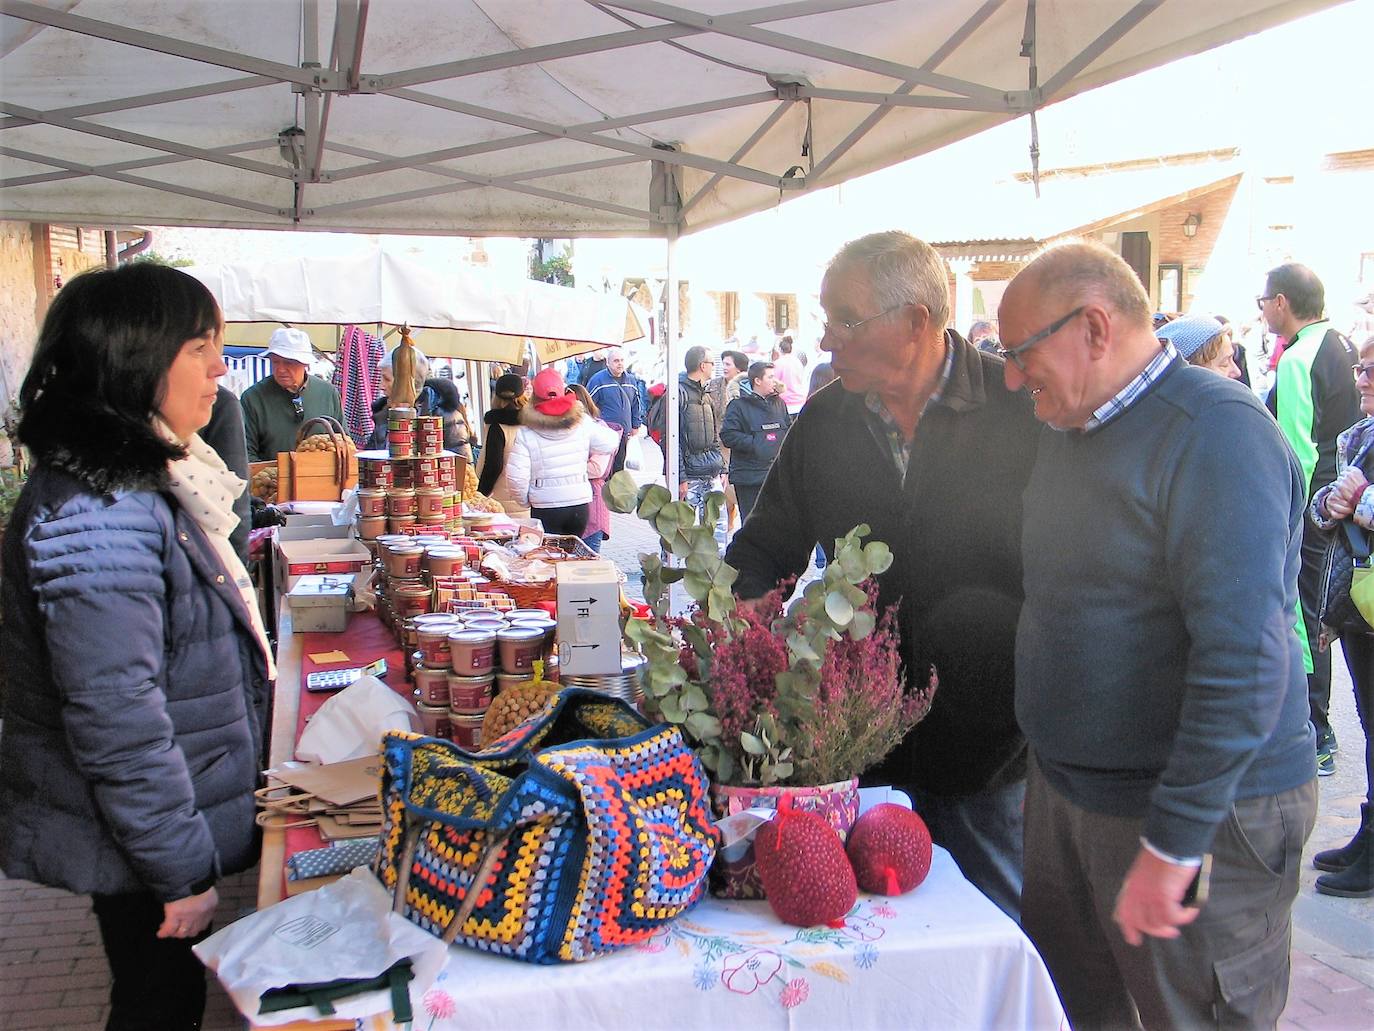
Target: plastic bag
343	930
351	724
634	455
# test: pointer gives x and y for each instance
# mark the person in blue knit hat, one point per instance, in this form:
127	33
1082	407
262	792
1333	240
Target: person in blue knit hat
1202	341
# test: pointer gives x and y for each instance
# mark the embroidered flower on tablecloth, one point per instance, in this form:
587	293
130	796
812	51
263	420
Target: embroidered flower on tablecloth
795	993
439	1005
865	956
704	978
861	929
744	973
657	943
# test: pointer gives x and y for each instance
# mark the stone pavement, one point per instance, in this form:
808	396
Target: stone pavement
53	973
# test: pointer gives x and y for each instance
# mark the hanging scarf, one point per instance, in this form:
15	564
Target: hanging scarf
355	377
206	489
494	450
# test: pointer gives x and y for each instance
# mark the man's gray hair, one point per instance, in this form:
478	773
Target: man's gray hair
1079	270
421	366
901	270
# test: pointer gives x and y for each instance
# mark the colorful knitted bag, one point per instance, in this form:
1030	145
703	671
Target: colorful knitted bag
586	828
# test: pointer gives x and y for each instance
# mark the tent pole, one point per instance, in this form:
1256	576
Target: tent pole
672	361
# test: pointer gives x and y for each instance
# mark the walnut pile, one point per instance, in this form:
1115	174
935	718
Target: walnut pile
264	485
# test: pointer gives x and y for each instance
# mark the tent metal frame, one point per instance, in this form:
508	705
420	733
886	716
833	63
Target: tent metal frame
308	146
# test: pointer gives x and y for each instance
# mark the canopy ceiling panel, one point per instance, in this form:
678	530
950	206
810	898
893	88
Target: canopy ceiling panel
530	117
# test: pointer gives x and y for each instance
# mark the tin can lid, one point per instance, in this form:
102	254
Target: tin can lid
472	635
519	633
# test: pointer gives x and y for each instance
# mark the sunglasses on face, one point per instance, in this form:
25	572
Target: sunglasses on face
298	407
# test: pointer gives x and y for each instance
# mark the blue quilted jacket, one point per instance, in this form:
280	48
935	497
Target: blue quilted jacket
135	694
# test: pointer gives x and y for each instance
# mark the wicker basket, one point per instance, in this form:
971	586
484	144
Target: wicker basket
528	595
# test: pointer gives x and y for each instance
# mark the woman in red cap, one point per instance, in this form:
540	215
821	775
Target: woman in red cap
547	465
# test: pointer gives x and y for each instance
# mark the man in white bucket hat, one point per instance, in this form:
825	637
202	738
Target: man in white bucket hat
275	408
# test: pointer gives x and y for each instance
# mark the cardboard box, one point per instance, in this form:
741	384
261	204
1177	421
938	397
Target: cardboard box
320	604
588	617
316	555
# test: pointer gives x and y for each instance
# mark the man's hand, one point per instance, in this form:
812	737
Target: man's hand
186	918
1151	899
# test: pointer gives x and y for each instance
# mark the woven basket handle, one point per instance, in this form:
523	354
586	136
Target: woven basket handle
336	437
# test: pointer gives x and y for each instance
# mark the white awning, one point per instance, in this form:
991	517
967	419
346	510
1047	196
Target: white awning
530	117
473	315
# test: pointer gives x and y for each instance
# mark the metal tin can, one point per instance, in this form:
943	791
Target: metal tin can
519	647
400	501
469	695
472	650
371	501
465	731
400	443
403	560
432	686
432	639
435	722
448	470
429	504
375	472
443	560
371	527
403	474
410	600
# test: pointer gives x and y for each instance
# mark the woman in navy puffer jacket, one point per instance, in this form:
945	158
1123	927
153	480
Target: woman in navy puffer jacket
137	670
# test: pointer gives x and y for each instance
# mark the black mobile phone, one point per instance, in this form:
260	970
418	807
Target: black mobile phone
1196	895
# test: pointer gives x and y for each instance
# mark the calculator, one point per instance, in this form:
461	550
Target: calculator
334	679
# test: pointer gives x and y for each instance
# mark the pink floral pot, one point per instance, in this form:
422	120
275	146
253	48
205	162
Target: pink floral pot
733	875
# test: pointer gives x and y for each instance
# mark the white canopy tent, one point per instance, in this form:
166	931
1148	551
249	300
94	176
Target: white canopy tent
532	117
475	315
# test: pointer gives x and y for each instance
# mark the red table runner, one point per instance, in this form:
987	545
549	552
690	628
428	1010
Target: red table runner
365	640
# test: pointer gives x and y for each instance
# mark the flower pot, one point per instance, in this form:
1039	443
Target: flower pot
733	875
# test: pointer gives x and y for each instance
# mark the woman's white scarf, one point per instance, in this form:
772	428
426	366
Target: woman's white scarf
207	488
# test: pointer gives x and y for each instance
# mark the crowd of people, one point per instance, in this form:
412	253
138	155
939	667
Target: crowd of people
1130	627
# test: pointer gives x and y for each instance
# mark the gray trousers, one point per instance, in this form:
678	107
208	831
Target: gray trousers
982	832
1228	969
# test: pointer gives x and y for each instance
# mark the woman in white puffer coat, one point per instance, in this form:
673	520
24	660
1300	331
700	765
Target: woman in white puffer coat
547	465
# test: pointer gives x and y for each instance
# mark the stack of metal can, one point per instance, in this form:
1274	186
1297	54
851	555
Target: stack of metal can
627	685
415	484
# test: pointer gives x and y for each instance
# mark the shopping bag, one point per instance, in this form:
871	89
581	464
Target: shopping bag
634	455
1362	590
1347	557
343	930
585	829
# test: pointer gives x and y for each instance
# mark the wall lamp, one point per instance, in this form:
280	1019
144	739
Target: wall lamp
1190	225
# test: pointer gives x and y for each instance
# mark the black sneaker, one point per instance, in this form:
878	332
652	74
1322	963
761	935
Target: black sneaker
1326	762
1328	738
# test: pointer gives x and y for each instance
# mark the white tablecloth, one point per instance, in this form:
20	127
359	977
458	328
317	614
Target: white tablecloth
941	957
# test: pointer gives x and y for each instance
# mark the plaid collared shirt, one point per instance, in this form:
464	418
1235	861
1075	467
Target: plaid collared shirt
1132	391
886	428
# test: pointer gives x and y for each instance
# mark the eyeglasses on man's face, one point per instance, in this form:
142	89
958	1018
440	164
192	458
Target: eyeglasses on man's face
1259	301
842	325
1013	354
1365	369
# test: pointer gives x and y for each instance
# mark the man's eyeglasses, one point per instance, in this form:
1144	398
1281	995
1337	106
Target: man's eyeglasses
1013	354
1259	301
849	327
298	407
1366	369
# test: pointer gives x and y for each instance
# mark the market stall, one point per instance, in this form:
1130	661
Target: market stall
940	957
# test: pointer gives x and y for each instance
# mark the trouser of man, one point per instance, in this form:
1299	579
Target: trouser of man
748	496
983	833
1229	968
569	519
697	487
1310	598
157	984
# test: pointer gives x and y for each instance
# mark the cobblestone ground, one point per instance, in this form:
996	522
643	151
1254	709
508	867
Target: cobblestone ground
53	973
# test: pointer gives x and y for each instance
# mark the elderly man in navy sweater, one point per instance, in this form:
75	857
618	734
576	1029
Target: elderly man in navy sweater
1159	677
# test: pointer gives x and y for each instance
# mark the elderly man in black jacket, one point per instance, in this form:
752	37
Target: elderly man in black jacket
755	424
921	439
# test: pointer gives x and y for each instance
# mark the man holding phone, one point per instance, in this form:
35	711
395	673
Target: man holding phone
1159	675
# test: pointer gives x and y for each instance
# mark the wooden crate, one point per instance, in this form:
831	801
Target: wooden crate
313	476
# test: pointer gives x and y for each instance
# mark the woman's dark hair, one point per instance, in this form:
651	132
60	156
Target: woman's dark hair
102	358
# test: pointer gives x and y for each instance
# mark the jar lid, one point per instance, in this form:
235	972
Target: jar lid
459	678
405	549
472	635
519	633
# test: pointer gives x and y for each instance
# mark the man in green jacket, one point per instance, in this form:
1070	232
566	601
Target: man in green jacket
1314	398
275	408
